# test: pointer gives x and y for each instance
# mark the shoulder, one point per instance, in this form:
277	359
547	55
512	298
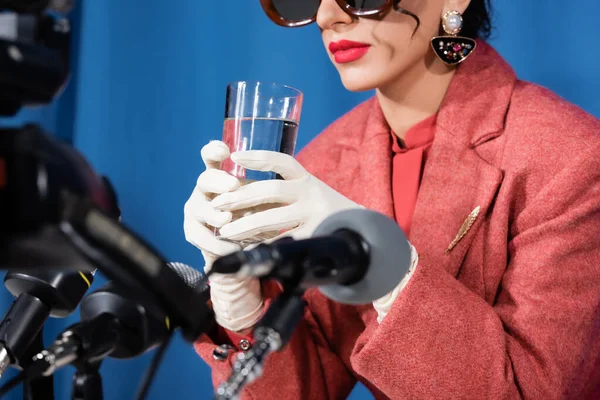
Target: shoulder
551	149
544	129
550	114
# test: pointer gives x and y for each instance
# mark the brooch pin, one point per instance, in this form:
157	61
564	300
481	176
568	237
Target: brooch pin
466	226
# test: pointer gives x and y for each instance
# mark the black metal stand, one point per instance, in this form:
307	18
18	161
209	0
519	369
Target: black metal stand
87	382
41	388
272	333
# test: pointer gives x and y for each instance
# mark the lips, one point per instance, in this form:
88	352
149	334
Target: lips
346	51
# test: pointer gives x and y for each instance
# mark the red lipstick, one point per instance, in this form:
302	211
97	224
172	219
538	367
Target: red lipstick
346	51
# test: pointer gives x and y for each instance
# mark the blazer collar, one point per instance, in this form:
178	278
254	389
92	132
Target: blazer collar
477	100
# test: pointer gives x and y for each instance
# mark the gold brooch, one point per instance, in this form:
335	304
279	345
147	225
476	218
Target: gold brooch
464	228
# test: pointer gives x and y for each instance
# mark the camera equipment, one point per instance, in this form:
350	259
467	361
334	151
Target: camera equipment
56	212
34	53
116	322
39	294
34	67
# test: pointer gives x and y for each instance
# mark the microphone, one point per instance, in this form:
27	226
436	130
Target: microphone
39	294
57	213
116	321
355	257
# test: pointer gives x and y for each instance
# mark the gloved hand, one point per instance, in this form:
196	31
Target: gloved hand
384	304
237	303
308	200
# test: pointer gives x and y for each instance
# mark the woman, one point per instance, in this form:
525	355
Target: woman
496	183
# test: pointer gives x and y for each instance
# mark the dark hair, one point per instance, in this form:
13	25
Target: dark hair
477	20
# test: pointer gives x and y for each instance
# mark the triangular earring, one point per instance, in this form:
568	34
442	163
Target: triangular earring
453	49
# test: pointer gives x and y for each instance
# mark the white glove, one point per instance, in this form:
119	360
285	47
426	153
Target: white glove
308	200
384	304
237	303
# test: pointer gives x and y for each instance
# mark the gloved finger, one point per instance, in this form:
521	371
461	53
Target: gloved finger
255	193
203	238
199	209
262	160
214	153
275	219
283	233
216	181
209	259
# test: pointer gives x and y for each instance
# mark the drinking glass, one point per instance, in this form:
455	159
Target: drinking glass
259	116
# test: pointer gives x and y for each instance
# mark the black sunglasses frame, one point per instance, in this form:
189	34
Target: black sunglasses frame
271	11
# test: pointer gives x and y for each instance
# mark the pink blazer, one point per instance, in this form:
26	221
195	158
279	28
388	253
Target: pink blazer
513	309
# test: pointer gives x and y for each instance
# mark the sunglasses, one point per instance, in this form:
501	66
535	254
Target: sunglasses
296	13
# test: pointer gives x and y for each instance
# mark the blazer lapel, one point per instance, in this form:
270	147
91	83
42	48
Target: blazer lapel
459	185
457	190
354	157
372	188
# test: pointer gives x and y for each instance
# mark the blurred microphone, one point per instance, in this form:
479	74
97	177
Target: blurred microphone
39	294
116	322
355	257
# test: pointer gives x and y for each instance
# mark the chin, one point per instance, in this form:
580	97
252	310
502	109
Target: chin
358	82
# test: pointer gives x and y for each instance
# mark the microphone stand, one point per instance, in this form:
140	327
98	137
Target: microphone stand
20	342
43	386
87	381
272	332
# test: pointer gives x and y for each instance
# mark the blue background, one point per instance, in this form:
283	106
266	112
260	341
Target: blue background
147	92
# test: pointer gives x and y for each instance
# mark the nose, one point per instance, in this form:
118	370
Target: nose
330	15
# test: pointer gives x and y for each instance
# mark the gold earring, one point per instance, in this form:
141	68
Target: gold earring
451	48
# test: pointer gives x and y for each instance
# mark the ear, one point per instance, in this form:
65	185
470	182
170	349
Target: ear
456	5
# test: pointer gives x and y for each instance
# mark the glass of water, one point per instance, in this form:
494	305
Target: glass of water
259	116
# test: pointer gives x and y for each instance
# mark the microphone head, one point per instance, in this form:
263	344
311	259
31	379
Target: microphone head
389	252
192	277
